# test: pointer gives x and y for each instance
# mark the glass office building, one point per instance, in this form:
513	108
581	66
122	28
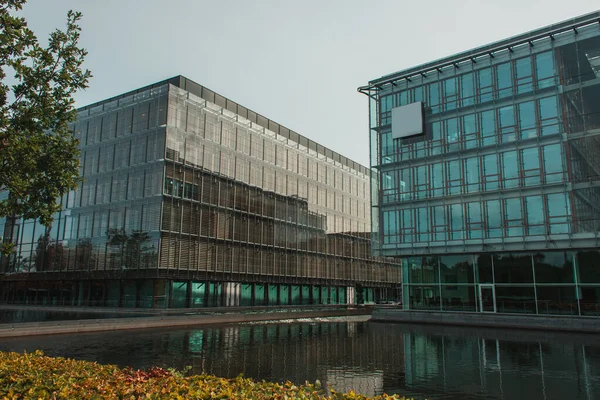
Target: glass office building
189	199
487	167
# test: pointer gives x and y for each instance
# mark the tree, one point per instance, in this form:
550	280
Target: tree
39	155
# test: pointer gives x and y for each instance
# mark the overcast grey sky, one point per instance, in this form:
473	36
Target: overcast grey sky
296	62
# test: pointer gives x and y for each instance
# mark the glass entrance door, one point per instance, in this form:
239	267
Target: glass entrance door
487	298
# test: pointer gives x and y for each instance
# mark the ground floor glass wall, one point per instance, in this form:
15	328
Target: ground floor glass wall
557	282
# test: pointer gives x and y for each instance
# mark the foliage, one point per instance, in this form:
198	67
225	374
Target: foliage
39	157
35	376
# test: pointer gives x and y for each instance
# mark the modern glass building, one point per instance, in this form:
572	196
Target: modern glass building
189	199
487	167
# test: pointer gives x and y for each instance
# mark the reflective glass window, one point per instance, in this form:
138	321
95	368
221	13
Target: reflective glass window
513	217
474	220
523	73
491	177
534	208
439	223
437	179
530	166
450	97
452	134
421	182
469	130
513	268
527	125
423	223
548	109
553	163
457	228
454	176
510	169
493	218
472	175
434	97
554	267
558	213
467	90
390	227
503	80
485	87
544	69
487	123
407	227
506	124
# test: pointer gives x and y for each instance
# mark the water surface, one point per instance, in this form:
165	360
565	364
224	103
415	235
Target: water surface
349	353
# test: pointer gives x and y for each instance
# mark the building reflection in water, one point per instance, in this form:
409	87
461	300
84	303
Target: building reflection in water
370	358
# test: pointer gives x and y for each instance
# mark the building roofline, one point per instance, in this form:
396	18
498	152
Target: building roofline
203	92
486	50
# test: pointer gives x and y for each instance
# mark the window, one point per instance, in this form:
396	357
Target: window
390	227
454	177
407	227
450	97
467	90
534	208
558	212
544	69
506	124
510	169
524	78
487	123
503	81
527	120
491	175
484	85
472	175
434	97
469	129
439	223
530	165
513	217
452	134
493	218
423	221
456	222
548	108
437	179
553	163
474	220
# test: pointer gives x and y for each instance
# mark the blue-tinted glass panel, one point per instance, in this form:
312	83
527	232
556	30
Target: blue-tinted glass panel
506	124
452	134
439	223
510	169
434	97
487	123
503	81
558	213
513	217
530	165
485	85
407	227
553	163
437	179
494	218
474	220
423	223
527	125
534	208
454	176
544	69
450	94
548	109
472	175
456	222
491	176
467	90
469	130
524	75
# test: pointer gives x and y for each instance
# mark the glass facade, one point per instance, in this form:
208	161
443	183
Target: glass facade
189	199
504	177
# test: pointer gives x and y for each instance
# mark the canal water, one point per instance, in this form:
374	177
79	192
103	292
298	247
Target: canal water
418	361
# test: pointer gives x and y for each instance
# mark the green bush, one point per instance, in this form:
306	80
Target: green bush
36	376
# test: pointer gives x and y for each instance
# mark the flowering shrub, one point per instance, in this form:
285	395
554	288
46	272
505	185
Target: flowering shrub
36	376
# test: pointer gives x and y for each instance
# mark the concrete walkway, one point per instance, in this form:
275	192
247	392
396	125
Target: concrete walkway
188	317
490	320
